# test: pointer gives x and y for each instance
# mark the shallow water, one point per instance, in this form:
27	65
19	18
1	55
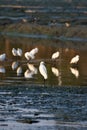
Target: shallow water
67	74
60	103
30	103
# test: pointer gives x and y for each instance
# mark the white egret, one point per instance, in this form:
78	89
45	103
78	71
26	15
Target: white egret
14	65
3	57
75	72
19	52
2	69
34	51
27	55
28	74
32	68
14	52
43	70
19	71
55	71
31	54
55	55
74	60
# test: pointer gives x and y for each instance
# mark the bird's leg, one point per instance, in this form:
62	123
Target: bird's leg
44	82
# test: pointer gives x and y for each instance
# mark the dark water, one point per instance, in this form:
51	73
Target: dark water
47	12
28	103
28	106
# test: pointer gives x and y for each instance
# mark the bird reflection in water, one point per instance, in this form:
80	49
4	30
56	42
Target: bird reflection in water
28	74
19	71
2	69
57	74
75	72
55	71
32	68
14	65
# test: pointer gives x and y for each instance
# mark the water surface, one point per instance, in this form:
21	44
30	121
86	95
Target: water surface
30	103
60	102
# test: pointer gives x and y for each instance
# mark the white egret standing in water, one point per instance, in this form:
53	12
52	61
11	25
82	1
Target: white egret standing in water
3	57
74	60
43	70
31	54
27	55
19	52
55	55
14	52
34	51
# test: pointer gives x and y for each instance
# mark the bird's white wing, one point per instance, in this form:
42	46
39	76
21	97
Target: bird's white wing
27	56
19	52
43	71
2	57
14	52
55	55
72	60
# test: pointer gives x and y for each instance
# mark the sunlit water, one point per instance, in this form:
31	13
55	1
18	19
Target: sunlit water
61	101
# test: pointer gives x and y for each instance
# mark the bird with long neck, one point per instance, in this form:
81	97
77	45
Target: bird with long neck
31	54
43	70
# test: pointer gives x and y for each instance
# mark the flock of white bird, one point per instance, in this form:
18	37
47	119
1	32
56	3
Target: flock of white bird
31	68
